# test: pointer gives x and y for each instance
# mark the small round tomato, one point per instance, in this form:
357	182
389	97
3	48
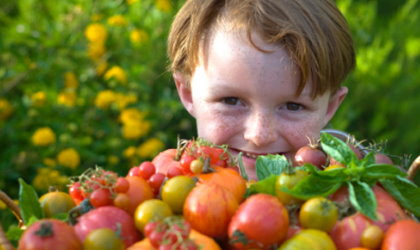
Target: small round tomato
309	239
146	169
155	181
318	213
185	161
150	210
103	238
100	197
122	185
175	191
122	200
372	237
310	154
197	166
76	193
139	190
53	203
289	180
49	234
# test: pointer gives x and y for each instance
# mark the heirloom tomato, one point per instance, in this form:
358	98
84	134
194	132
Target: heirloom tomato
209	208
108	217
150	210
175	191
262	220
166	160
310	154
289	180
318	213
139	190
103	238
48	234
53	203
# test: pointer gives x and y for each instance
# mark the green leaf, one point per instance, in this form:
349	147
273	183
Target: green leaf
14	233
405	192
268	165
337	149
378	171
242	169
362	198
266	186
369	159
335	175
28	202
312	186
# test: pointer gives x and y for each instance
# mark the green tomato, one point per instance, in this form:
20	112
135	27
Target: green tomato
103	239
289	181
176	190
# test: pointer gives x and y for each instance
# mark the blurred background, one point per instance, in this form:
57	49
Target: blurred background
85	83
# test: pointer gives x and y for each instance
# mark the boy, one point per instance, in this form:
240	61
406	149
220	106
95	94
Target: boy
261	76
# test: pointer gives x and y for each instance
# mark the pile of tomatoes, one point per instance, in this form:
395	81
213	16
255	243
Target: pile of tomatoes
193	197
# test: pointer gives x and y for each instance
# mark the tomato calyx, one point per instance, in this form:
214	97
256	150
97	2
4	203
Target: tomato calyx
45	229
84	207
239	237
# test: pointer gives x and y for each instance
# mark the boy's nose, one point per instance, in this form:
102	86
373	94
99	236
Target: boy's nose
260	129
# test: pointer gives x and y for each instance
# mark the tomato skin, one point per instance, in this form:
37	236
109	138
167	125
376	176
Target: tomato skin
210	216
76	193
264	221
318	213
56	202
149	211
108	217
402	234
100	197
139	190
309	239
166	160
175	191
103	238
62	235
289	181
347	232
310	154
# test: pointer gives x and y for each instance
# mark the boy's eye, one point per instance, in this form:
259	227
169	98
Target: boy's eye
293	106
230	100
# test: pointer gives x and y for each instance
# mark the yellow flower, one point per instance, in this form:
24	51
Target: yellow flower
131	115
70	80
138	36
150	148
43	137
117	20
69	158
130	152
5	109
96	50
101	67
105	99
50	162
135	130
163	5
67	98
113	160
96	32
38	98
117	73
124	100
130	2
47	177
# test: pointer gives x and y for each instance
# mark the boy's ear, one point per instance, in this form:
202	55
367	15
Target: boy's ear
184	92
334	103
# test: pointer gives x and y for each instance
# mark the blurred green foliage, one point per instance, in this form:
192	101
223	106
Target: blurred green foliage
42	41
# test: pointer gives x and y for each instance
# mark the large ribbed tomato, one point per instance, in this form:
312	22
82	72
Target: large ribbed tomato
227	178
49	234
166	160
209	208
309	239
262	220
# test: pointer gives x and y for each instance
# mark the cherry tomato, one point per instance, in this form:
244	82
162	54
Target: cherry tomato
185	161
175	191
76	193
100	197
103	238
146	169
196	166
122	185
372	237
318	213
134	171
122	200
155	181
309	239
312	155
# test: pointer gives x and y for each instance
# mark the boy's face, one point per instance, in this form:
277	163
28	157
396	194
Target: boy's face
246	99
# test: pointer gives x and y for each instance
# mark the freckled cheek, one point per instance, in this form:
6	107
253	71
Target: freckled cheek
217	129
299	135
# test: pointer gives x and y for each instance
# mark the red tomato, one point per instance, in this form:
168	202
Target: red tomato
209	208
76	193
146	169
122	185
402	235
49	234
262	219
347	232
166	160
310	154
100	197
108	217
